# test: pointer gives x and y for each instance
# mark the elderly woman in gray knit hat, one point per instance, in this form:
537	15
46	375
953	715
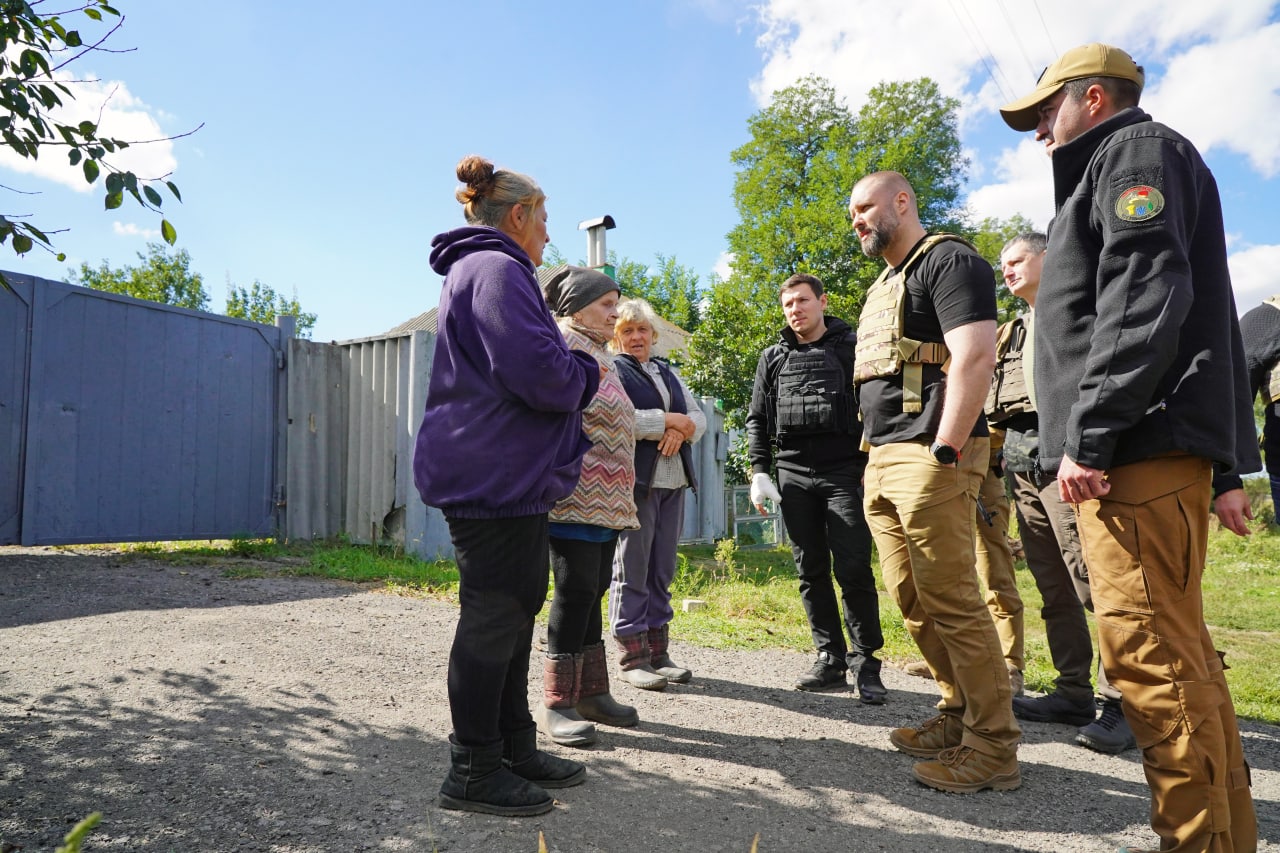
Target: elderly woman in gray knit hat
585	525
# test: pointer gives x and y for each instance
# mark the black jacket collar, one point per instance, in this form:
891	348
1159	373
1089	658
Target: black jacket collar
836	328
1072	158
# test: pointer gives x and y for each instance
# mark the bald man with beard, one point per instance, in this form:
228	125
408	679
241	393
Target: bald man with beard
934	306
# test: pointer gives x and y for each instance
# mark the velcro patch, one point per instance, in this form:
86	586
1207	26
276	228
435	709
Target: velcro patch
1140	203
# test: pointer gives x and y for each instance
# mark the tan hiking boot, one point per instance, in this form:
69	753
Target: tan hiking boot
964	770
932	737
919	669
1016	682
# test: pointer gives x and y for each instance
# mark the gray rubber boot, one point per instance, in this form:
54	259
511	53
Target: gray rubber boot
556	717
595	702
637	670
662	662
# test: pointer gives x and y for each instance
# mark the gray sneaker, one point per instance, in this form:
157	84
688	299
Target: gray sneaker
1110	733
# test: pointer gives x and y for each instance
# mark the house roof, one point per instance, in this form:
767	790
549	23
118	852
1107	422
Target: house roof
671	338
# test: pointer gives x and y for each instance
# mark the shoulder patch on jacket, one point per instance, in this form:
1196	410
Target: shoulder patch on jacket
1139	203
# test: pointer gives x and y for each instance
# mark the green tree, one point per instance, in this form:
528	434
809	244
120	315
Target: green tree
740	317
33	47
160	277
671	288
262	304
795	174
911	128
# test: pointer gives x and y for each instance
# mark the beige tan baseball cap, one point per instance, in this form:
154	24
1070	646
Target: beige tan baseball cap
1079	63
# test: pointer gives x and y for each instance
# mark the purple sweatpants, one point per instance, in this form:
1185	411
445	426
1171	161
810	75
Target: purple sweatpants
645	564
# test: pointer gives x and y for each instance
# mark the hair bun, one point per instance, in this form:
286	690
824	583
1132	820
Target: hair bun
478	175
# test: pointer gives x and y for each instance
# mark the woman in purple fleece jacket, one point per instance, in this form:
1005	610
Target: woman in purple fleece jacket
501	441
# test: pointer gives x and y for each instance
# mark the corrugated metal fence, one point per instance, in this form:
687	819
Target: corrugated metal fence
127	420
354	410
124	420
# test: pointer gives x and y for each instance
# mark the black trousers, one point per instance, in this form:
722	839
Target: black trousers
502	565
582	572
823	514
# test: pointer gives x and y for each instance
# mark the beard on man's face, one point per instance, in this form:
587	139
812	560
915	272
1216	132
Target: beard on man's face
876	241
880	235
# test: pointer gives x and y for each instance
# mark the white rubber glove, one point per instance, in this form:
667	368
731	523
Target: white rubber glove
762	487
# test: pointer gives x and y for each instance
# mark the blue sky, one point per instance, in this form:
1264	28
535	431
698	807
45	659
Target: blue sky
331	133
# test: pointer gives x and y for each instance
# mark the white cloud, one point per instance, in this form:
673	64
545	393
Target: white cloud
724	266
1253	275
978	47
1226	94
1217	65
119	115
1023	184
129	229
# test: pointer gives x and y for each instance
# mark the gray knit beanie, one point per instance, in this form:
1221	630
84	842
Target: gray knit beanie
569	289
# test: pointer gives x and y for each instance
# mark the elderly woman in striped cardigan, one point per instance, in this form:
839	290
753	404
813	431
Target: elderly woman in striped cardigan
585	525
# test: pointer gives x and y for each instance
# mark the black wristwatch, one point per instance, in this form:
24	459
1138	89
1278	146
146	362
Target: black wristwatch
944	453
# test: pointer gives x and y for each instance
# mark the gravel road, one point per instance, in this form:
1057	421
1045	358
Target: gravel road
202	713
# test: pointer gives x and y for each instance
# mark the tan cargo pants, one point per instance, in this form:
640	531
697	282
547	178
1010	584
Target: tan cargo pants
1145	547
996	569
921	515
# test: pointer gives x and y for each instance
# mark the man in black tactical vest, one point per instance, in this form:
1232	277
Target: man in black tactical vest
804	404
926	351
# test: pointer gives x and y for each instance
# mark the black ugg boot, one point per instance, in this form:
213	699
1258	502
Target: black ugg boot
477	782
521	755
594	700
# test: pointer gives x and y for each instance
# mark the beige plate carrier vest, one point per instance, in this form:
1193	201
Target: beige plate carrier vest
1008	395
1271	381
882	349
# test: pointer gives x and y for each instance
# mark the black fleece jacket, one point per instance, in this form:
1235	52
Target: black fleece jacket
1138	350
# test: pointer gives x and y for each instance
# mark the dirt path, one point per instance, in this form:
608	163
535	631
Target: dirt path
200	713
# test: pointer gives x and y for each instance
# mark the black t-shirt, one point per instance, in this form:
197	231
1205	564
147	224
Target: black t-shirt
951	286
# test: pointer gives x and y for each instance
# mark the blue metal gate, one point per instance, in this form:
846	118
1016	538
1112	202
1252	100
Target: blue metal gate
124	420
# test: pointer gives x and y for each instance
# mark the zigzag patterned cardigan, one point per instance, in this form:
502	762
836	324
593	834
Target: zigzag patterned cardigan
604	496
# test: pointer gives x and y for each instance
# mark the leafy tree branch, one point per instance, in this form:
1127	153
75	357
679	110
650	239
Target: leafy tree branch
32	96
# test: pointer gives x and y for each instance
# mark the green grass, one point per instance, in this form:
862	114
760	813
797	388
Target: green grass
336	559
752	600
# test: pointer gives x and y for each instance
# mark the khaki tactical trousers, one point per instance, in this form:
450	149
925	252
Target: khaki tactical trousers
921	515
996	569
1145	547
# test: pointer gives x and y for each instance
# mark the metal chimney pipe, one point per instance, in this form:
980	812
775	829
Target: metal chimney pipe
597	255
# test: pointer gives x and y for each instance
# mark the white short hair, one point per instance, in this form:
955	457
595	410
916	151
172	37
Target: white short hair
635	311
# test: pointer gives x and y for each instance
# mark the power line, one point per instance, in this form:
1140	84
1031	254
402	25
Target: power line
983	51
1018	41
1045	26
